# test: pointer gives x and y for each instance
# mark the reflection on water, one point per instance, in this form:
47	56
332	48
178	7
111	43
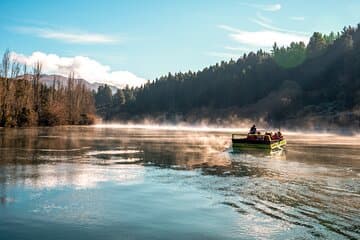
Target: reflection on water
104	182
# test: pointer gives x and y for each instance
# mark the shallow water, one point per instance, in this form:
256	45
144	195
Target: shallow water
119	182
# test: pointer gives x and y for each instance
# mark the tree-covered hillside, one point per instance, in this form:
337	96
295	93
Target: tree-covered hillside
314	83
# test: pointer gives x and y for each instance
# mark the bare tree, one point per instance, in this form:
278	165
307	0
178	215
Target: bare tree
30	103
5	64
53	88
36	78
25	71
15	69
37	70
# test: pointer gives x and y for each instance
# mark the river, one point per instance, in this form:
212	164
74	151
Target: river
139	182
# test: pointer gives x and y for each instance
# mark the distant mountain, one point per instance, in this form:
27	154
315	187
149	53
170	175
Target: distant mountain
48	81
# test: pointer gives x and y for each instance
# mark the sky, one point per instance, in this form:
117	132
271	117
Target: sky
129	42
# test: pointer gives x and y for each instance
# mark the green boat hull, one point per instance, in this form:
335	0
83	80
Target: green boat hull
264	146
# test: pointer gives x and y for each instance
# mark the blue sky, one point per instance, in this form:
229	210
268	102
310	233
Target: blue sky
144	39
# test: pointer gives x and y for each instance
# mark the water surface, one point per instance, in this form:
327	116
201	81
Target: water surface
117	182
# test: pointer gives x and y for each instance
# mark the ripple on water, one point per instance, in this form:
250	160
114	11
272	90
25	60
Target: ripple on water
305	192
112	152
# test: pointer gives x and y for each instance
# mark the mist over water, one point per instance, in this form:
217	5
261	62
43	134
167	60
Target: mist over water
141	181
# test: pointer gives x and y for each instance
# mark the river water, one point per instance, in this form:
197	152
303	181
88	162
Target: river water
126	182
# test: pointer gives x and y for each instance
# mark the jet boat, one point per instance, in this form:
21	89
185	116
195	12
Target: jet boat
267	141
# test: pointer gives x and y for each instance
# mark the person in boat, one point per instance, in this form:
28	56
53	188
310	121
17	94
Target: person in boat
253	130
277	136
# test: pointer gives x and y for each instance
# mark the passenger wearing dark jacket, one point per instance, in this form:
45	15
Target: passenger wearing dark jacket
253	130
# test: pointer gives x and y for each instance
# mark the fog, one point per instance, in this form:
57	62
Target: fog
305	136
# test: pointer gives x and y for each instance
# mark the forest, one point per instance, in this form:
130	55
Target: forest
24	101
311	84
314	84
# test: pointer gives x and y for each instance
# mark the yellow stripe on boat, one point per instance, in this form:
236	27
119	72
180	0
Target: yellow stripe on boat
261	142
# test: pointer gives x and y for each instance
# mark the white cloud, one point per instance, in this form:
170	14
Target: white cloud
240	49
228	28
271	27
83	67
265	7
224	55
266	38
271	8
263	38
263	18
67	36
298	18
254	40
